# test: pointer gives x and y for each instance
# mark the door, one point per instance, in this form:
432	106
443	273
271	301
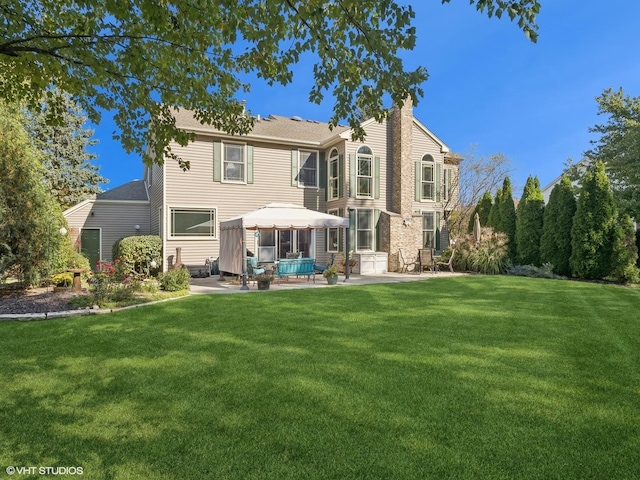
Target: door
90	243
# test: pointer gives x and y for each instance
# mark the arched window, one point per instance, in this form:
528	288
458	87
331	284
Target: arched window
427	191
365	172
333	173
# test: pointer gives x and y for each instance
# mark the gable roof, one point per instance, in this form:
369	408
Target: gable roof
135	191
273	127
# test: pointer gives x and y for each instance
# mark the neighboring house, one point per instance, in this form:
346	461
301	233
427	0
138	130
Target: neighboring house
578	169
393	187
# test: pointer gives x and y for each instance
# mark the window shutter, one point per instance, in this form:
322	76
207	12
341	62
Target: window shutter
438	181
340	176
294	168
249	163
376	177
352	175
341	232
217	161
322	172
378	233
438	214
418	178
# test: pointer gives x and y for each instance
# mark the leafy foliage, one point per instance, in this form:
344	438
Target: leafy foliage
619	147
555	243
529	223
625	252
508	216
143	58
482	209
489	256
140	254
495	214
593	233
545	271
69	174
175	279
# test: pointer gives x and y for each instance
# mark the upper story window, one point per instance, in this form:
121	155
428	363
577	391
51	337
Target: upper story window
233	168
364	172
193	222
427	183
308	174
334	175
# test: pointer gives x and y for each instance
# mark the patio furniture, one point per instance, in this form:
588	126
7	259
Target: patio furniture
322	268
426	260
288	267
253	269
448	263
406	262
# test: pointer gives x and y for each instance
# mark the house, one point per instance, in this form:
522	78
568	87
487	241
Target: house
393	187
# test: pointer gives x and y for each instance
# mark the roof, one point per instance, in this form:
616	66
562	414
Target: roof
135	190
271	127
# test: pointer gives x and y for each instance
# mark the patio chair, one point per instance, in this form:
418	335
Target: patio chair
426	260
406	262
448	263
252	269
322	268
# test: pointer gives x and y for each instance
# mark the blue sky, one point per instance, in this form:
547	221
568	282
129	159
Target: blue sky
490	90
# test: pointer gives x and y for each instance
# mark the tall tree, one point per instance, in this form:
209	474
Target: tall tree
529	222
29	235
482	209
619	147
508	216
495	214
625	251
69	174
555	244
143	58
593	233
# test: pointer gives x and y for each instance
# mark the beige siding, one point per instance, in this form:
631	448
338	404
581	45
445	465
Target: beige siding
155	196
115	219
424	144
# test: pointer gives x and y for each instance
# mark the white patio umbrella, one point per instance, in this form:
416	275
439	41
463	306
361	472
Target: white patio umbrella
476	229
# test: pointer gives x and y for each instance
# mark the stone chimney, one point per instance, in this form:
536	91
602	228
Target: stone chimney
403	170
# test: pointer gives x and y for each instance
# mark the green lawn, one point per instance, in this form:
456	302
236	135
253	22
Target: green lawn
468	377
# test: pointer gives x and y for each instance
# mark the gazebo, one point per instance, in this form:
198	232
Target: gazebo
274	216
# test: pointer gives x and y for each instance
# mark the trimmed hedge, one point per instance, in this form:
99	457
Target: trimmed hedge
136	253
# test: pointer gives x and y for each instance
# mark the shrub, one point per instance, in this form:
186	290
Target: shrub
141	254
489	256
625	252
555	243
64	279
175	279
529	223
546	271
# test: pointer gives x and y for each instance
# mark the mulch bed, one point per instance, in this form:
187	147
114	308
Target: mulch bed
34	300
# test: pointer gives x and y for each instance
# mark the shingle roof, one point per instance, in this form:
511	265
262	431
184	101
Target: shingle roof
273	126
134	190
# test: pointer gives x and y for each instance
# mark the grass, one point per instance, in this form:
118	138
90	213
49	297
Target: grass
468	377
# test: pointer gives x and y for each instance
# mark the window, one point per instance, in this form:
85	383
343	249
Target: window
364	229
193	222
365	172
428	230
427	178
334	175
333	235
308	174
234	162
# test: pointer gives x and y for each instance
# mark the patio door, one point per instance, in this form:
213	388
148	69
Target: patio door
91	245
273	244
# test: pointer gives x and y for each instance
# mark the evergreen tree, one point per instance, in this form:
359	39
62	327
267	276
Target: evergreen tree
625	252
593	232
69	174
482	209
508	217
29	234
529	223
494	220
555	244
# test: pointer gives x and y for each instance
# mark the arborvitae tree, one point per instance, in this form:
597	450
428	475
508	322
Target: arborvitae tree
494	220
69	174
593	232
625	252
555	244
482	209
529	223
29	234
508	216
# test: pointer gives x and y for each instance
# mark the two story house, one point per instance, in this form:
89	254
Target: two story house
393	187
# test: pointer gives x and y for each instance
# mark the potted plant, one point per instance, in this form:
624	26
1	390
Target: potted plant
264	281
331	274
352	261
62	282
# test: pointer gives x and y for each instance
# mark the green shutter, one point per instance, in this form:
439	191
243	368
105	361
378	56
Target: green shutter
341	232
418	178
294	168
438	181
378	232
322	171
340	175
438	214
376	177
217	161
352	175
249	163
352	229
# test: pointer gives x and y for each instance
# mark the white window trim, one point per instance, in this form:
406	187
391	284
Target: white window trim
433	176
433	216
329	177
370	177
171	236
317	152
372	230
224	161
329	248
